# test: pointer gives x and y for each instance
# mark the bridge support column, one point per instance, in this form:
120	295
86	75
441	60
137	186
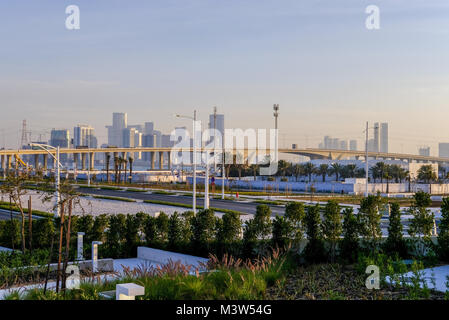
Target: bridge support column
75	161
169	160
152	159
3	162
91	161
45	162
36	161
161	160
83	161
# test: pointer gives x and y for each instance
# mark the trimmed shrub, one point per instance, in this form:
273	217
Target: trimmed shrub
314	251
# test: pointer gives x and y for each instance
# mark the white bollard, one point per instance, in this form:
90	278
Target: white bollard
128	291
95	255
79	251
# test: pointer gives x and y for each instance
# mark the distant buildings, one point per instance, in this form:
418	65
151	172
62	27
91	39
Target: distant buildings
379	143
443	150
60	138
115	132
353	145
334	143
424	151
216	121
83	136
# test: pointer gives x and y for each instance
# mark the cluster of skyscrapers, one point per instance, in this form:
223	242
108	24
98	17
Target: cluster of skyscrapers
337	144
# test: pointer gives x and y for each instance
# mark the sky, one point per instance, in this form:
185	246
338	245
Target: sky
156	58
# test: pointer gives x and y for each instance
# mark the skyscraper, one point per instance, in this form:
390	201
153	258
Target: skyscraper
424	151
353	145
83	136
384	137
216	123
60	138
115	132
376	137
443	150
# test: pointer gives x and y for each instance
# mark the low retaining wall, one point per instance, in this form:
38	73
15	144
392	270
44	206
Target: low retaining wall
163	257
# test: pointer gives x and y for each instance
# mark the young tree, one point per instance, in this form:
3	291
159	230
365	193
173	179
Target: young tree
421	224
203	230
443	235
162	227
14	186
395	242
229	228
295	213
350	242
282	229
332	226
250	238
262	219
314	250
369	219
115	234
175	237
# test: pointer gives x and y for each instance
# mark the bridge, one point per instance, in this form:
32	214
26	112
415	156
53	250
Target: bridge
81	155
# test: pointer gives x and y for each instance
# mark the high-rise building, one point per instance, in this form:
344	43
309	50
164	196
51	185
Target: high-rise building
353	145
84	136
376	138
129	135
216	121
424	151
115	132
343	145
60	138
443	150
148	128
384	137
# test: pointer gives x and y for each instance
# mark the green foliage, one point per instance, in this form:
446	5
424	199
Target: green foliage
175	231
395	243
10	233
295	213
229	229
332	226
350	242
98	228
203	227
421	224
314	250
262	220
422	199
282	228
369	220
133	225
443	235
115	235
43	232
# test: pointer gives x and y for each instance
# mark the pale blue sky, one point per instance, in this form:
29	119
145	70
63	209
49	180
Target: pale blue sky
153	59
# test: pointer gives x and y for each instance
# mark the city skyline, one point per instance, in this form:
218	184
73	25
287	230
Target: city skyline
326	70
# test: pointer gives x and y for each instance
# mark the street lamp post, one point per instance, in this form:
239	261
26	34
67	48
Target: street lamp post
194	156
45	147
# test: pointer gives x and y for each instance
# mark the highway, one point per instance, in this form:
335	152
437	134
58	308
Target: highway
6	215
244	207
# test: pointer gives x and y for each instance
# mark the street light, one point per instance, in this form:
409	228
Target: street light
194	156
366	157
45	147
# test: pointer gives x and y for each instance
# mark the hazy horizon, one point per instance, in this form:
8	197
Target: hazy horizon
153	59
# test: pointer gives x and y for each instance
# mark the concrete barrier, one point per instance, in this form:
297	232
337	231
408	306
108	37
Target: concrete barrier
162	257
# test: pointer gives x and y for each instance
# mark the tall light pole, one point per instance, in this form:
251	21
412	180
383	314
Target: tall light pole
276	114
194	156
366	160
45	147
366	157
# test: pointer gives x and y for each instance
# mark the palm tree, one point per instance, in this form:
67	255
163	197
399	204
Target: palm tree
323	170
108	158
427	174
351	170
309	169
297	171
283	167
336	169
116	168
380	169
131	161
387	175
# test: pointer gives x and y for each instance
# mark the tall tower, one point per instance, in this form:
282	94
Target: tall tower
384	137
376	139
24	141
